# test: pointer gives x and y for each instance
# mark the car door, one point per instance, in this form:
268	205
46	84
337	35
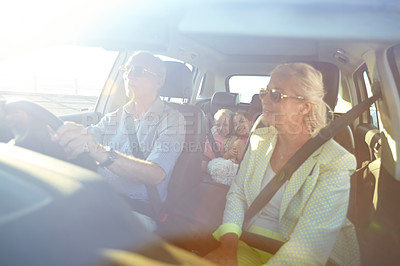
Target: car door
377	185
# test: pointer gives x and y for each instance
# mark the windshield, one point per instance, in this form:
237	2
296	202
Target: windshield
63	79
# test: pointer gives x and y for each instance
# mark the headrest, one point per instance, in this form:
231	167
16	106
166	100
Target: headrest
224	100
256	102
331	78
178	81
255	107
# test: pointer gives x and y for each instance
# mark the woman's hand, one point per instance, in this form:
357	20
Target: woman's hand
226	253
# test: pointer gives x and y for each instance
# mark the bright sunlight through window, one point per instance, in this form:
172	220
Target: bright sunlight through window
64	79
247	86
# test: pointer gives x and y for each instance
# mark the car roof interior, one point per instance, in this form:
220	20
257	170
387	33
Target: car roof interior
234	31
242	38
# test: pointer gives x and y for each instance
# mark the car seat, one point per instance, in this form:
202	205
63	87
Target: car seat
331	79
255	108
220	100
178	84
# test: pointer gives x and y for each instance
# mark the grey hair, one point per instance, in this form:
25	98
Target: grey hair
309	85
157	64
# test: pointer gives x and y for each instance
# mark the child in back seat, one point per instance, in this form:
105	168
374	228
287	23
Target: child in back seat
223	169
222	134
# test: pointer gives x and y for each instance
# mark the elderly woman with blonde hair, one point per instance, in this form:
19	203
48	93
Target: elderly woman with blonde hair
308	212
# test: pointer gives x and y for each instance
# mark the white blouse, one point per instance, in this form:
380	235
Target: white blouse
269	217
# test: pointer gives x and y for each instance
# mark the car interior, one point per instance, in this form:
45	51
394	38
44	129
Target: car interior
205	46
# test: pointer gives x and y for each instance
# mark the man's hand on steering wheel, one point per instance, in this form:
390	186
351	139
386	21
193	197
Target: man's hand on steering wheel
31	127
76	140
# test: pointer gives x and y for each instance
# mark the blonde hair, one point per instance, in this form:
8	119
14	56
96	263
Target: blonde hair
225	113
309	85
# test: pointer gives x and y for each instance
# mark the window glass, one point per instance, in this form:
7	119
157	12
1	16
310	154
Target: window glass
202	84
247	86
342	106
372	108
344	100
63	79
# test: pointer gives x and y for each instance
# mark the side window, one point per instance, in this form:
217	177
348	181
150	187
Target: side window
202	85
64	79
364	90
247	85
344	100
372	108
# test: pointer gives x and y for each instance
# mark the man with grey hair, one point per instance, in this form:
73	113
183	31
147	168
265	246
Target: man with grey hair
138	144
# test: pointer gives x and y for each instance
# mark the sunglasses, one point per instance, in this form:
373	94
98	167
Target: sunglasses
276	96
138	71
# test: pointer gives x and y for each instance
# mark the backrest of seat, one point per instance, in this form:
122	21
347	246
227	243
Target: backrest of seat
186	172
220	100
331	79
346	139
178	84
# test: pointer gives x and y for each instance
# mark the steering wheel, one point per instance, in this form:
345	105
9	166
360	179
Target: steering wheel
29	124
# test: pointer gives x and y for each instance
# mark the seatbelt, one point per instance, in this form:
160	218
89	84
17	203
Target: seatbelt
152	192
213	145
300	156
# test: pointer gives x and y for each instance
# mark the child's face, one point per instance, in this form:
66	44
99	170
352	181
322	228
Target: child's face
222	125
241	125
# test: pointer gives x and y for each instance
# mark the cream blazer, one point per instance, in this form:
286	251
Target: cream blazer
314	206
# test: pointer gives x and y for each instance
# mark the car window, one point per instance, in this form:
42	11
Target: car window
247	85
372	108
63	79
344	100
202	85
342	105
363	85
